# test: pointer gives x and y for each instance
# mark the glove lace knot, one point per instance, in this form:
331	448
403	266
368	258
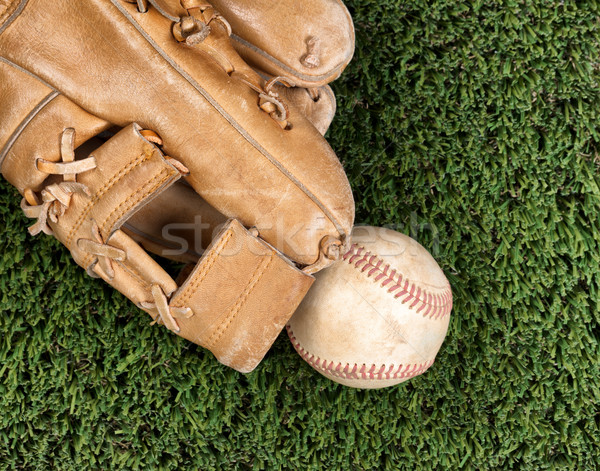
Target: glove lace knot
311	58
56	198
105	254
195	28
268	99
164	314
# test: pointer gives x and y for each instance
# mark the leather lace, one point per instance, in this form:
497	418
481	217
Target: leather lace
164	314
105	254
196	27
56	198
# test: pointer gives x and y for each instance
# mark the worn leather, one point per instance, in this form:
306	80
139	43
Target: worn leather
227	299
243	292
311	41
317	104
379	316
250	168
100	65
181	224
272	31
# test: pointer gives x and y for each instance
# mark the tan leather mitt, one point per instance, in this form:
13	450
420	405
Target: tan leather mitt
181	105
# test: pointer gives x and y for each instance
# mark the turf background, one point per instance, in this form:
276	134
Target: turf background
472	126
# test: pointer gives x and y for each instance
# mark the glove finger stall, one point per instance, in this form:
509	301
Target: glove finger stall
240	160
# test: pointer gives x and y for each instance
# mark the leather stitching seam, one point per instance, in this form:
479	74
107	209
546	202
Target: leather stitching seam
102	191
89	259
432	305
256	277
150	187
362	372
212	258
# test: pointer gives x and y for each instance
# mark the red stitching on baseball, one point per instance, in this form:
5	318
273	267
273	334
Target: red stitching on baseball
348	371
433	305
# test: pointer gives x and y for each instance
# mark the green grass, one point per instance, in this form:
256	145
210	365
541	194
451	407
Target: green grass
472	123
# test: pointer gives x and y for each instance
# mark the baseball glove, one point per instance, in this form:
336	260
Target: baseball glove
180	105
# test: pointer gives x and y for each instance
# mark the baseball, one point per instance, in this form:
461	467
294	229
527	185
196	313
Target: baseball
378	316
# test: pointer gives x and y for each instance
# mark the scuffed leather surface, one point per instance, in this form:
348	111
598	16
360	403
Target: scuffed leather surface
258	291
272	35
240	161
351	318
40	139
19	95
7	8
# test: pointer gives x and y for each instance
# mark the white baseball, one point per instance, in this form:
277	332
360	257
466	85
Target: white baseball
378	316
